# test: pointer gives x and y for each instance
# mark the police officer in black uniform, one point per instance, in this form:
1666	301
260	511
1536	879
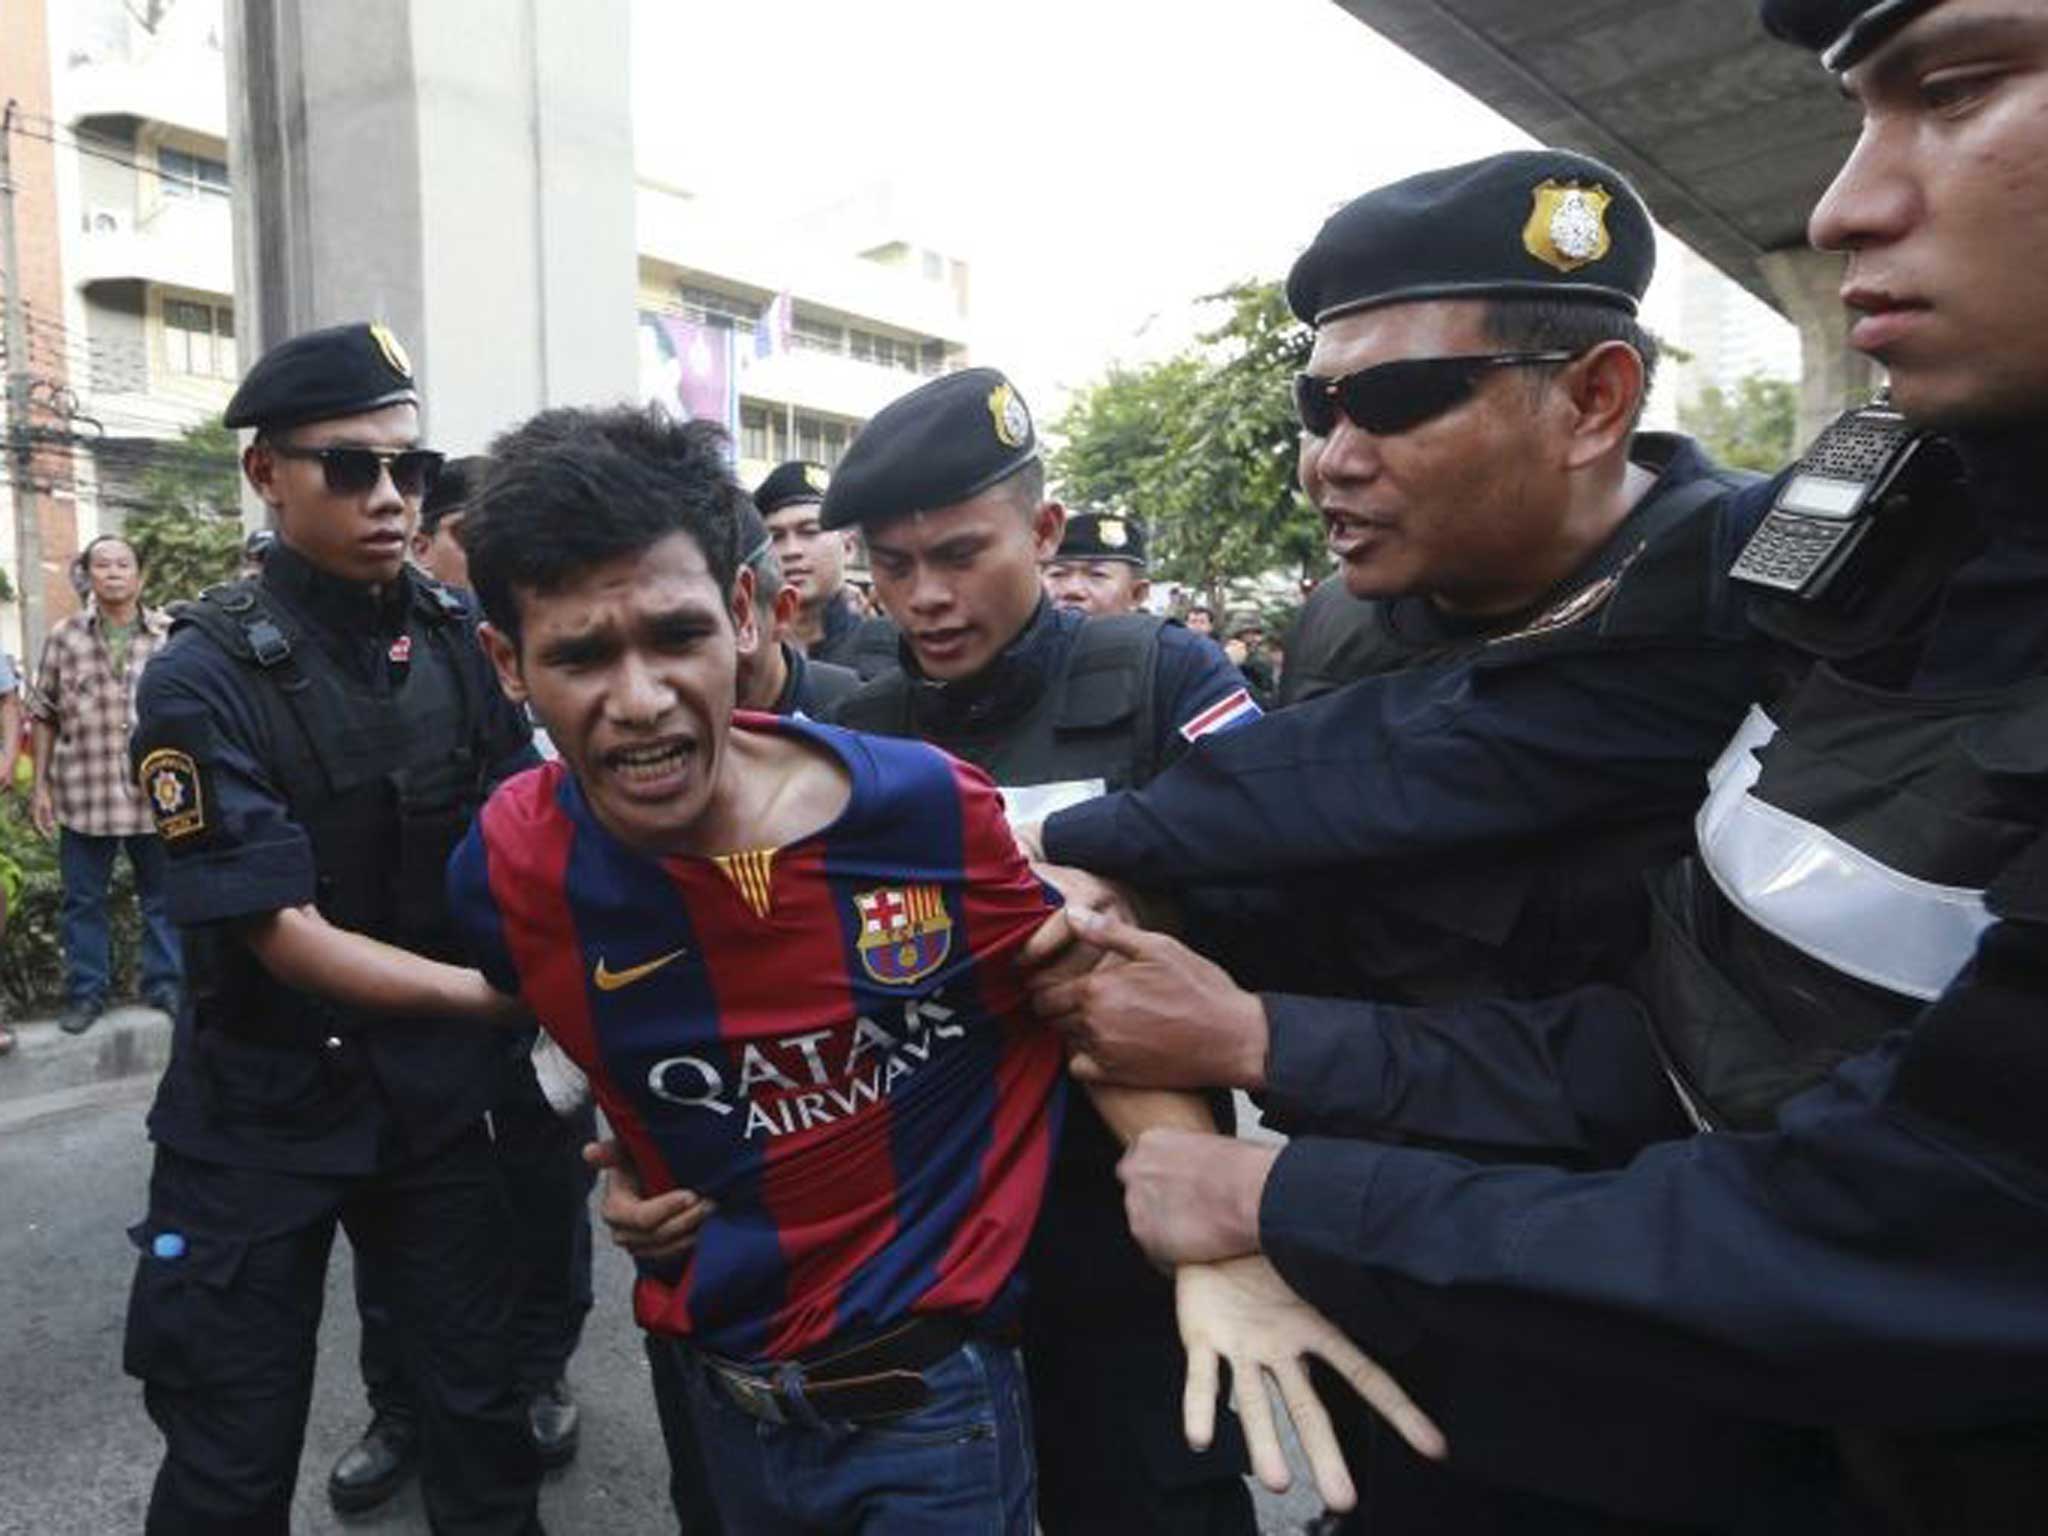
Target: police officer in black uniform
1555	653
1100	565
313	743
547	1179
830	626
947	485
1552	656
1846	977
779	678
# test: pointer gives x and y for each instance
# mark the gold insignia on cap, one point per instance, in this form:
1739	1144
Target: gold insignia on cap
171	780
1567	228
393	350
1012	418
1112	532
816	478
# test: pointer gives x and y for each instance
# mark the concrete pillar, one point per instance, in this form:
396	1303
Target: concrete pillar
1832	378
461	170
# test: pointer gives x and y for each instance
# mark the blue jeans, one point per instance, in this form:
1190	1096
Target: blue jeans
87	865
959	1466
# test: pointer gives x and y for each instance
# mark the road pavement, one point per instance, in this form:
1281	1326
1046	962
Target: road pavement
79	1450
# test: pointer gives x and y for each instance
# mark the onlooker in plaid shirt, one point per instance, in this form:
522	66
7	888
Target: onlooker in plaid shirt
83	707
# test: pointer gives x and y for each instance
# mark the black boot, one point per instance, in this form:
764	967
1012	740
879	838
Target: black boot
555	1419
376	1466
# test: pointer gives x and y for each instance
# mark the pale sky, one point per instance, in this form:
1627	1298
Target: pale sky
1100	163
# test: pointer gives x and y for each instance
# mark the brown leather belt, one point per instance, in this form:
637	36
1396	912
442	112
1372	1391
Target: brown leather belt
876	1379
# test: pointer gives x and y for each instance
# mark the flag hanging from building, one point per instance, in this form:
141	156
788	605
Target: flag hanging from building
688	366
771	331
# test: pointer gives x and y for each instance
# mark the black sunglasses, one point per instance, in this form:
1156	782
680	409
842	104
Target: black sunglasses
352	471
1400	396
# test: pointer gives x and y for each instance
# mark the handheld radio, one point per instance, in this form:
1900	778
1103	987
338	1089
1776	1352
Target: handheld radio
1830	516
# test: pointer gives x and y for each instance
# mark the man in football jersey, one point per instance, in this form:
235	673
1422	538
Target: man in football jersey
786	956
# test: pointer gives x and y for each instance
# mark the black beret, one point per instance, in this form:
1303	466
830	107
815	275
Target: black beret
1840	31
458	481
942	443
1102	536
341	371
1538	223
788	484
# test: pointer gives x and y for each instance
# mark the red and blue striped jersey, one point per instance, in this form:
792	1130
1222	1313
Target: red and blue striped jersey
831	1039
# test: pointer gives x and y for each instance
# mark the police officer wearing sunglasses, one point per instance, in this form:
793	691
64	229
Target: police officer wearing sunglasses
313	742
1549	659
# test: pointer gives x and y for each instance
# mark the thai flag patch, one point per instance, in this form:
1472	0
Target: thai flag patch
1226	714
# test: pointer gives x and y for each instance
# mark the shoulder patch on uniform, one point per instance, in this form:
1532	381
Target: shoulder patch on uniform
1226	714
170	780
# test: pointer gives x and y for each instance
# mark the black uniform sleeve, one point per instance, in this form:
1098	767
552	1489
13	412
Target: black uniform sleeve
1570	1078
1416	762
1879	1258
1191	690
202	755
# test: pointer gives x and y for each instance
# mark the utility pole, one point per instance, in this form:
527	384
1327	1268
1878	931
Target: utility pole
28	529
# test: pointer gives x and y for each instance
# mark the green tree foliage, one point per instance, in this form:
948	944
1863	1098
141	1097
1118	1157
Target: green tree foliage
188	534
1201	447
1751	429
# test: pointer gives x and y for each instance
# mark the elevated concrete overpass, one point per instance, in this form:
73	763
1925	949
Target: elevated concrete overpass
1729	135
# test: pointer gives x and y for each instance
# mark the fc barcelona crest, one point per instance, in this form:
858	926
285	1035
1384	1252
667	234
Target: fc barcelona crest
905	932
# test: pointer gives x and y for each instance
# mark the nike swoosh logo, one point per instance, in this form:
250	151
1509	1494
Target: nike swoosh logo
611	981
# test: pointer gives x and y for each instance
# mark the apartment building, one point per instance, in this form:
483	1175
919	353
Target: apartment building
147	239
793	332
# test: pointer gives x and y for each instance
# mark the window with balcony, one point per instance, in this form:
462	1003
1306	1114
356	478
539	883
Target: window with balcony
199	339
817	336
718	308
185	175
754	441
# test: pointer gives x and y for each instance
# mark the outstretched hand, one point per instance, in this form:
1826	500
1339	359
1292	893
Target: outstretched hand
661	1227
1241	1312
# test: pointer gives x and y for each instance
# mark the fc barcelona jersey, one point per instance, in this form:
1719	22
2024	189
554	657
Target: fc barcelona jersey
831	1039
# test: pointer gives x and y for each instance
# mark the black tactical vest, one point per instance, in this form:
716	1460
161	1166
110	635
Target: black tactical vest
1090	722
1849	835
384	787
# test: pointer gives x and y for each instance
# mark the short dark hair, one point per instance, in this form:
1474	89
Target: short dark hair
1562	325
1028	485
452	490
574	488
122	539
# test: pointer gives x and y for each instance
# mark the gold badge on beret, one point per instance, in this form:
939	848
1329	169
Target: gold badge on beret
171	780
1112	532
392	348
816	478
1012	417
1567	228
